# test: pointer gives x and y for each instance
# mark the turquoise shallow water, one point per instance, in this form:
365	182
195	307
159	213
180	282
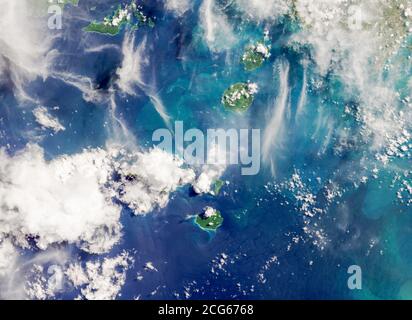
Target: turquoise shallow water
365	225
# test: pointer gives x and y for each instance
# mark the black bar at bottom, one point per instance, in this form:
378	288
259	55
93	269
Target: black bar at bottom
193	309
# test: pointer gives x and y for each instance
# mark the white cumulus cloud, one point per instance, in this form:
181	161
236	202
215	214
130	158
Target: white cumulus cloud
100	280
46	120
149	178
265	9
178	7
57	201
70	199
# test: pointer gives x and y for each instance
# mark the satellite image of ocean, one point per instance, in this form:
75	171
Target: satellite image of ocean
102	103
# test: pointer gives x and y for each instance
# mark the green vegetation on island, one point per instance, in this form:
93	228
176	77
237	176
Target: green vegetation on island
131	14
210	219
101	28
217	185
239	97
255	55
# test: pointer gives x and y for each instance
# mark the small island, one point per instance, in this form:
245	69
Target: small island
255	55
239	97
209	220
128	15
217	185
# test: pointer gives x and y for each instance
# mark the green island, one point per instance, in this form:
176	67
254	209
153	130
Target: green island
255	55
217	185
131	14
239	97
209	220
